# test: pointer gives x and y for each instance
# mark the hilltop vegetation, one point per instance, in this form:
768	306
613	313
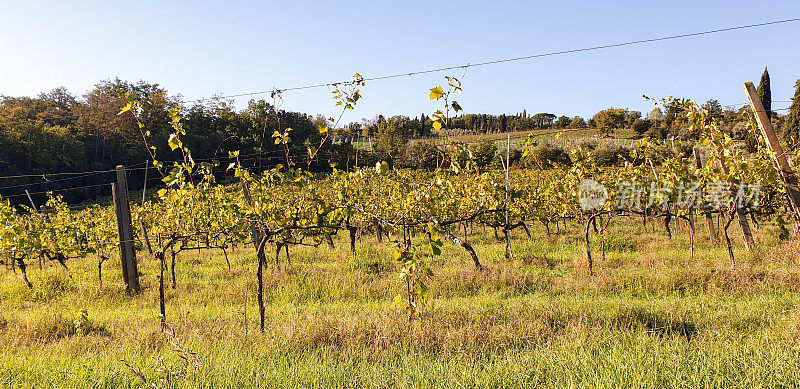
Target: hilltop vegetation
60	132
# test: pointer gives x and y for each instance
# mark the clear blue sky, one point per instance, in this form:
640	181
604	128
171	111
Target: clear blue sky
199	49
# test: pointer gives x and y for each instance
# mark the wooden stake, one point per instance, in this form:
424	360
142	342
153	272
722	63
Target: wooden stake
778	155
116	215
127	253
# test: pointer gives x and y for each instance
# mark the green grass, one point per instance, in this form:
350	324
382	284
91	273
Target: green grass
517	139
651	317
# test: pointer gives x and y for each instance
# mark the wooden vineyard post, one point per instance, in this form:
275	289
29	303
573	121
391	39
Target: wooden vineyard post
712	228
116	216
130	271
776	150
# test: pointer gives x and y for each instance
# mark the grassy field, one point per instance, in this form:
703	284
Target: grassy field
651	317
544	135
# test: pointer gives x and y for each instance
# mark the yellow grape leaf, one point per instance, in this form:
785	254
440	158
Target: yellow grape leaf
436	93
382	167
125	109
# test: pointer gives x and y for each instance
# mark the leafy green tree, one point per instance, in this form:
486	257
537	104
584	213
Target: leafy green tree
392	136
57	131
656	115
484	152
791	128
713	107
543	120
577	122
610	119
562	122
631	116
59	106
215	127
676	122
262	120
641	126
671	111
353	128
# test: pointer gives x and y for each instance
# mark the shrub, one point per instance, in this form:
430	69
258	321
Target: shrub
514	156
484	152
547	155
422	155
610	155
655	132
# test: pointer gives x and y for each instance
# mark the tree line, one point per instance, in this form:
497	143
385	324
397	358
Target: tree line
61	132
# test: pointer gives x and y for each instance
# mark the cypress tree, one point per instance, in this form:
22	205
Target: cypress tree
764	93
